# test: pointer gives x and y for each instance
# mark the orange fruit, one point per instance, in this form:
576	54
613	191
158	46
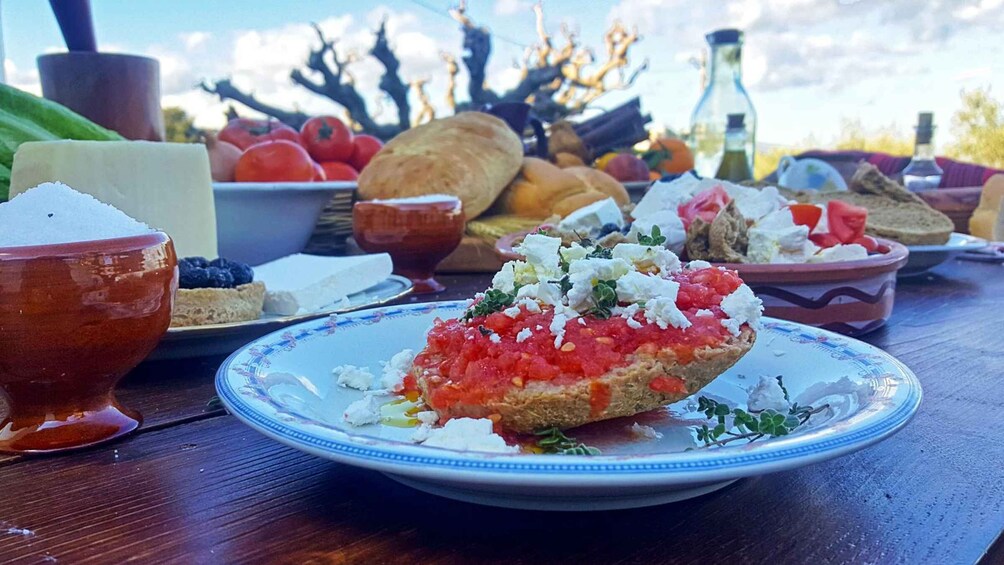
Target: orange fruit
670	155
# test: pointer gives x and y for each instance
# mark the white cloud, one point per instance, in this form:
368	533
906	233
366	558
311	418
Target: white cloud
25	79
195	39
510	7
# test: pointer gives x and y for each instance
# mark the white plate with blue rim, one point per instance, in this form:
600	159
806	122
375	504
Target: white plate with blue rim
282	386
923	258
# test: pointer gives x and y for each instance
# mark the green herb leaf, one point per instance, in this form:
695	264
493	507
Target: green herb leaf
553	440
604	299
494	301
654	240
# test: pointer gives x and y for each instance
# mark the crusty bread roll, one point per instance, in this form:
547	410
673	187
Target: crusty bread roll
472	155
201	306
542	404
598	180
542	189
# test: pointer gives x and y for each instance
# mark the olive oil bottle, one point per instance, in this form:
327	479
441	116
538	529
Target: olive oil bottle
735	166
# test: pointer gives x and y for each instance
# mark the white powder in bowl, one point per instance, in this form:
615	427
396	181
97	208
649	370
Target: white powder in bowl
54	213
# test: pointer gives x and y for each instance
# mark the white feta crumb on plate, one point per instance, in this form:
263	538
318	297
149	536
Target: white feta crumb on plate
767	395
396	369
466	434
363	411
353	377
644	432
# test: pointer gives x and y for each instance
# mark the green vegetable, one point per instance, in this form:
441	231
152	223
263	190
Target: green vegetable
655	239
604	299
553	440
494	301
750	426
24	117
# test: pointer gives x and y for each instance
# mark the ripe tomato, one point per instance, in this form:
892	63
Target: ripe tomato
704	205
364	147
274	161
319	174
846	221
806	214
245	132
824	239
327	139
335	170
868	242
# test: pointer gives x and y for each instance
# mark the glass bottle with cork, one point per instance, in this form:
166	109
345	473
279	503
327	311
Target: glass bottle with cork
923	173
725	94
735	166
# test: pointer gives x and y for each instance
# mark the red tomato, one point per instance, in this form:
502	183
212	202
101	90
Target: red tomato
868	242
319	174
704	205
846	221
327	139
364	148
339	171
274	161
806	214
824	239
245	132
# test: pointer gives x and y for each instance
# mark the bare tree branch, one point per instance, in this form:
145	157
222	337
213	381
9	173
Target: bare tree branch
391	82
227	91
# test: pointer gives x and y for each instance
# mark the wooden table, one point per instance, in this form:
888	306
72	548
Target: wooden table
194	485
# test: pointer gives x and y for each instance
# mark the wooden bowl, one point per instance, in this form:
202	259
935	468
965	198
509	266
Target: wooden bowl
849	297
417	235
75	319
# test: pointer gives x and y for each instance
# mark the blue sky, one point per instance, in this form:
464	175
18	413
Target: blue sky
808	63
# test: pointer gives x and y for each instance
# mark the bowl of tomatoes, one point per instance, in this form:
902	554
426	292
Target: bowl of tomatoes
272	182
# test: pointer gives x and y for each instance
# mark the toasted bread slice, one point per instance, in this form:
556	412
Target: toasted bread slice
201	306
908	222
541	405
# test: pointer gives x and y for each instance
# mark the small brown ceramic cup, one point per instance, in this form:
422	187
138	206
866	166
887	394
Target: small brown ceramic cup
417	235
74	319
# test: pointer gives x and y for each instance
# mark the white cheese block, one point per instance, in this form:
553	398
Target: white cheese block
589	219
308	283
164	185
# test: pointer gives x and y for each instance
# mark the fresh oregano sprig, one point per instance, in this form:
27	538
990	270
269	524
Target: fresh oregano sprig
604	299
750	425
553	440
656	238
494	301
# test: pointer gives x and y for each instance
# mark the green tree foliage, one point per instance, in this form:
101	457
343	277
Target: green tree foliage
179	126
978	128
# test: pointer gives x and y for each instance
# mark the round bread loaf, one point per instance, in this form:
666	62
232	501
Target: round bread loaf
471	155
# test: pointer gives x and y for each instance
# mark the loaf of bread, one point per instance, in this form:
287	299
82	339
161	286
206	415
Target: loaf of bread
987	220
202	306
471	155
542	189
543	404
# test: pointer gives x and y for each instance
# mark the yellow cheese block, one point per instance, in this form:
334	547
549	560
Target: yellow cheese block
165	185
987	221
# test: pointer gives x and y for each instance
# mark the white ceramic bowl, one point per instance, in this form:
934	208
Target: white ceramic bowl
257	222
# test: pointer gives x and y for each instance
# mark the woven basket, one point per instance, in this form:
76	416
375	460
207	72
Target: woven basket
334	226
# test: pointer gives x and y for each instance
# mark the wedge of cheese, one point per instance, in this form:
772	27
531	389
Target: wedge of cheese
308	283
164	185
988	220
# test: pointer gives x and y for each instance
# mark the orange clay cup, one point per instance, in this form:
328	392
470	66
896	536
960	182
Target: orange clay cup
417	235
74	319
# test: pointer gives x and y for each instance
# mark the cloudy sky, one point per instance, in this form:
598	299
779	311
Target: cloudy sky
807	63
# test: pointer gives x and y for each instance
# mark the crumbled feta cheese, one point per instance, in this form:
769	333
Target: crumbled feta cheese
643	255
523	335
530	305
396	369
840	252
590	219
663	312
363	411
505	279
777	239
541	254
755	203
585	273
546	292
558	328
767	395
468	434
429	417
573	252
704	313
494	338
628	313
742	307
539	327
639	287
670	226
512	311
645	432
634	324
698	264
353	377
421	433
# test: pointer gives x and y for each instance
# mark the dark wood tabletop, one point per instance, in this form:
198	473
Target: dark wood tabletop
194	485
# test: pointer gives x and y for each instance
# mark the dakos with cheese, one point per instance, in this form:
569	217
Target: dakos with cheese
576	334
